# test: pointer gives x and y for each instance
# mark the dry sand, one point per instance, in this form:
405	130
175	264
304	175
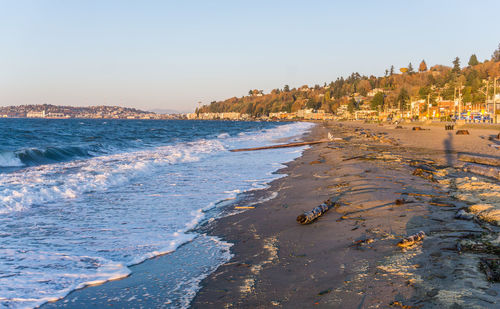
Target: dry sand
349	258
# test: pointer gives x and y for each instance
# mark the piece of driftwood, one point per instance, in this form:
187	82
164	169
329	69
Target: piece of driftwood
449	127
411	240
280	146
495	161
416	128
491	268
423	173
316	212
462	132
483	170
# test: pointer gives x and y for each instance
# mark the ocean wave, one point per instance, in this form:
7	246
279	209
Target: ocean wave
35	156
9	159
86	220
44	184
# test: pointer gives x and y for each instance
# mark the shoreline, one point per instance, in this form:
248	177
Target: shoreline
278	263
119	291
349	257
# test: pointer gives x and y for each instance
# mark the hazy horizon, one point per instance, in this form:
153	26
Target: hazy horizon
170	55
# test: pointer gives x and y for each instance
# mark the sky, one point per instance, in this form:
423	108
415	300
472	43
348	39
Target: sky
174	54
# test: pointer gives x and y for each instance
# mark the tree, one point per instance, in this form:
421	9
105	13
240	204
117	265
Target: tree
286	88
363	87
456	65
410	69
403	98
378	100
392	70
496	54
423	92
422	67
473	60
386	72
351	105
250	92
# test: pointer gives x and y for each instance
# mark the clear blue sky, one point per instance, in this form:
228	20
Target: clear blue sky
172	54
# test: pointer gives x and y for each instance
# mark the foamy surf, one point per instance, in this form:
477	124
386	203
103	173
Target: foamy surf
85	221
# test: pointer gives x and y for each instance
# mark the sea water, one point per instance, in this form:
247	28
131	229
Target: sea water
81	200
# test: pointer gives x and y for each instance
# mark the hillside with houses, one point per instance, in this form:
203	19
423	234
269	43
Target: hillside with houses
439	92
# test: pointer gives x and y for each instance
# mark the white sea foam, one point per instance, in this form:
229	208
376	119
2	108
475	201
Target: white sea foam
82	222
9	159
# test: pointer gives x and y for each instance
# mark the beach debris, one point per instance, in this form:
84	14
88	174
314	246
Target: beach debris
324	292
441	204
491	267
411	240
319	161
399	304
463	215
280	146
416	128
399	127
495	161
423	173
486	212
462	132
400	201
449	126
315	213
363	241
483	170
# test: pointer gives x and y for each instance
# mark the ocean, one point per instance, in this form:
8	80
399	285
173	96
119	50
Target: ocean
82	200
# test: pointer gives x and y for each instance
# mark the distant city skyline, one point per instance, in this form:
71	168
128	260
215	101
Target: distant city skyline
171	55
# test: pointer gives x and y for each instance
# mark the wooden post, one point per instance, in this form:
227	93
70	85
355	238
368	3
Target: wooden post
495	100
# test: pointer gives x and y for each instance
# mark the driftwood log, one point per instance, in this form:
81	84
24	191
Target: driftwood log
316	212
462	132
483	170
280	146
495	161
411	240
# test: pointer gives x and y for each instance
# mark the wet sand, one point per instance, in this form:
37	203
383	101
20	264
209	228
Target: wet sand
349	258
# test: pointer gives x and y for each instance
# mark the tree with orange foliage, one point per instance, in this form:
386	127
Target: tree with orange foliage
422	67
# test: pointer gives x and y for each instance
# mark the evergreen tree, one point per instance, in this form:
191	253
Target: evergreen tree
392	70
456	65
410	69
286	88
496	54
403	98
473	60
422	67
378	100
386	72
351	105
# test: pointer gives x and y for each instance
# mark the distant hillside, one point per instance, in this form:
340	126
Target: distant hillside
439	82
72	111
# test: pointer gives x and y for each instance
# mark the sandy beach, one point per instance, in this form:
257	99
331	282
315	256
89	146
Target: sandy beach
349	257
